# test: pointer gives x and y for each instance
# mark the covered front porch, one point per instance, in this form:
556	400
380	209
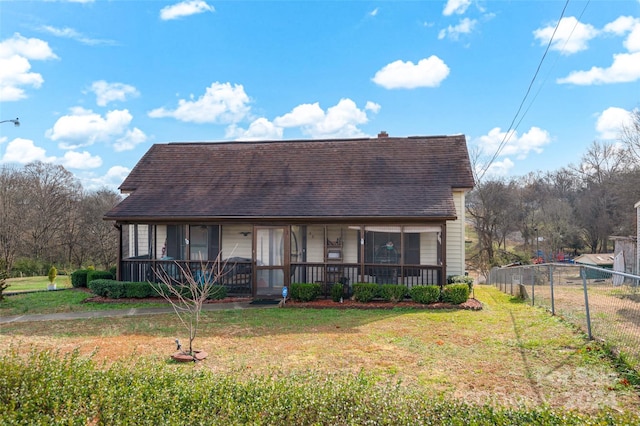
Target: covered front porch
258	260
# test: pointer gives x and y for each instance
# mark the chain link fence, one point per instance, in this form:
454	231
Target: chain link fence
605	304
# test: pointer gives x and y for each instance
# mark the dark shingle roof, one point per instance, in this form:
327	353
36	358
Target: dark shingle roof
385	177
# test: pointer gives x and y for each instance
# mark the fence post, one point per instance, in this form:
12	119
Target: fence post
583	274
553	300
533	288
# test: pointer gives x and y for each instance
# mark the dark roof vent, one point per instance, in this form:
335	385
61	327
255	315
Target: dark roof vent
383	135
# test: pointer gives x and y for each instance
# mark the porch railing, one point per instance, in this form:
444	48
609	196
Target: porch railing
237	277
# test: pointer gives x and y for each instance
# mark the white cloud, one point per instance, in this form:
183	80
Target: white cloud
456	6
610	122
81	160
429	72
260	129
465	26
520	147
496	169
15	56
24	151
109	92
185	8
112	179
624	69
302	115
372	106
624	25
130	140
339	121
222	103
571	36
84	127
72	34
374	12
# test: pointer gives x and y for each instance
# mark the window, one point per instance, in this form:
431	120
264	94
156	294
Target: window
202	243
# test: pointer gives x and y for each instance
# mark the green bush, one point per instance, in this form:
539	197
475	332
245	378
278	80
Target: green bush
137	290
455	293
393	292
337	292
218	292
99	275
48	388
3	283
305	292
425	294
79	278
28	268
461	279
365	292
53	273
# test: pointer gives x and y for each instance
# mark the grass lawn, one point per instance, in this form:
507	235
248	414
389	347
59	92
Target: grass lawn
508	353
49	302
37	283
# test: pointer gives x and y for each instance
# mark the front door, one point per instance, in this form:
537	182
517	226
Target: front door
271	249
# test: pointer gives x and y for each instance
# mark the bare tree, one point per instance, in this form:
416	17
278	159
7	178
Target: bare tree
630	136
51	192
187	291
12	188
99	235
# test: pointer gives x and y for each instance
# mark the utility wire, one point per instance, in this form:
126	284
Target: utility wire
512	129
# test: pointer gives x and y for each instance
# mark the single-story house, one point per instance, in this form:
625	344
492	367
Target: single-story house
599	260
385	210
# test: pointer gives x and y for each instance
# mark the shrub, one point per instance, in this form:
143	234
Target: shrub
393	292
79	278
218	292
425	294
337	292
53	273
305	292
365	292
3	283
461	279
28	267
118	289
455	293
99	275
135	289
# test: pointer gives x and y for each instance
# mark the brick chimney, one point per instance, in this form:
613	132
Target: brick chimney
383	135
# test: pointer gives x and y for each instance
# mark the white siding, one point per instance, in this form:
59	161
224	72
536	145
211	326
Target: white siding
234	244
429	248
315	244
161	240
455	238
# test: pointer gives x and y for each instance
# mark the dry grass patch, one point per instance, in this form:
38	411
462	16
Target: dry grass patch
507	353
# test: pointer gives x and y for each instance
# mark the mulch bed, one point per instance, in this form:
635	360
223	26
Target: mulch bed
322	303
470	304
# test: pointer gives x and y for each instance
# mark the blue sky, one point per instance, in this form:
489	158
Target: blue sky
96	83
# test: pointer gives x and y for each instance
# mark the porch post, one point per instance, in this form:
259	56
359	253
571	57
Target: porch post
118	226
443	244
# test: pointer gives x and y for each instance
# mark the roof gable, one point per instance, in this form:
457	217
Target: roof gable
384	177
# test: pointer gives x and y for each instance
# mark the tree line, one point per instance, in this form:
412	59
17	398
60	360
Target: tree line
572	210
47	218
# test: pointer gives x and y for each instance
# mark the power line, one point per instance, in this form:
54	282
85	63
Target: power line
511	130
